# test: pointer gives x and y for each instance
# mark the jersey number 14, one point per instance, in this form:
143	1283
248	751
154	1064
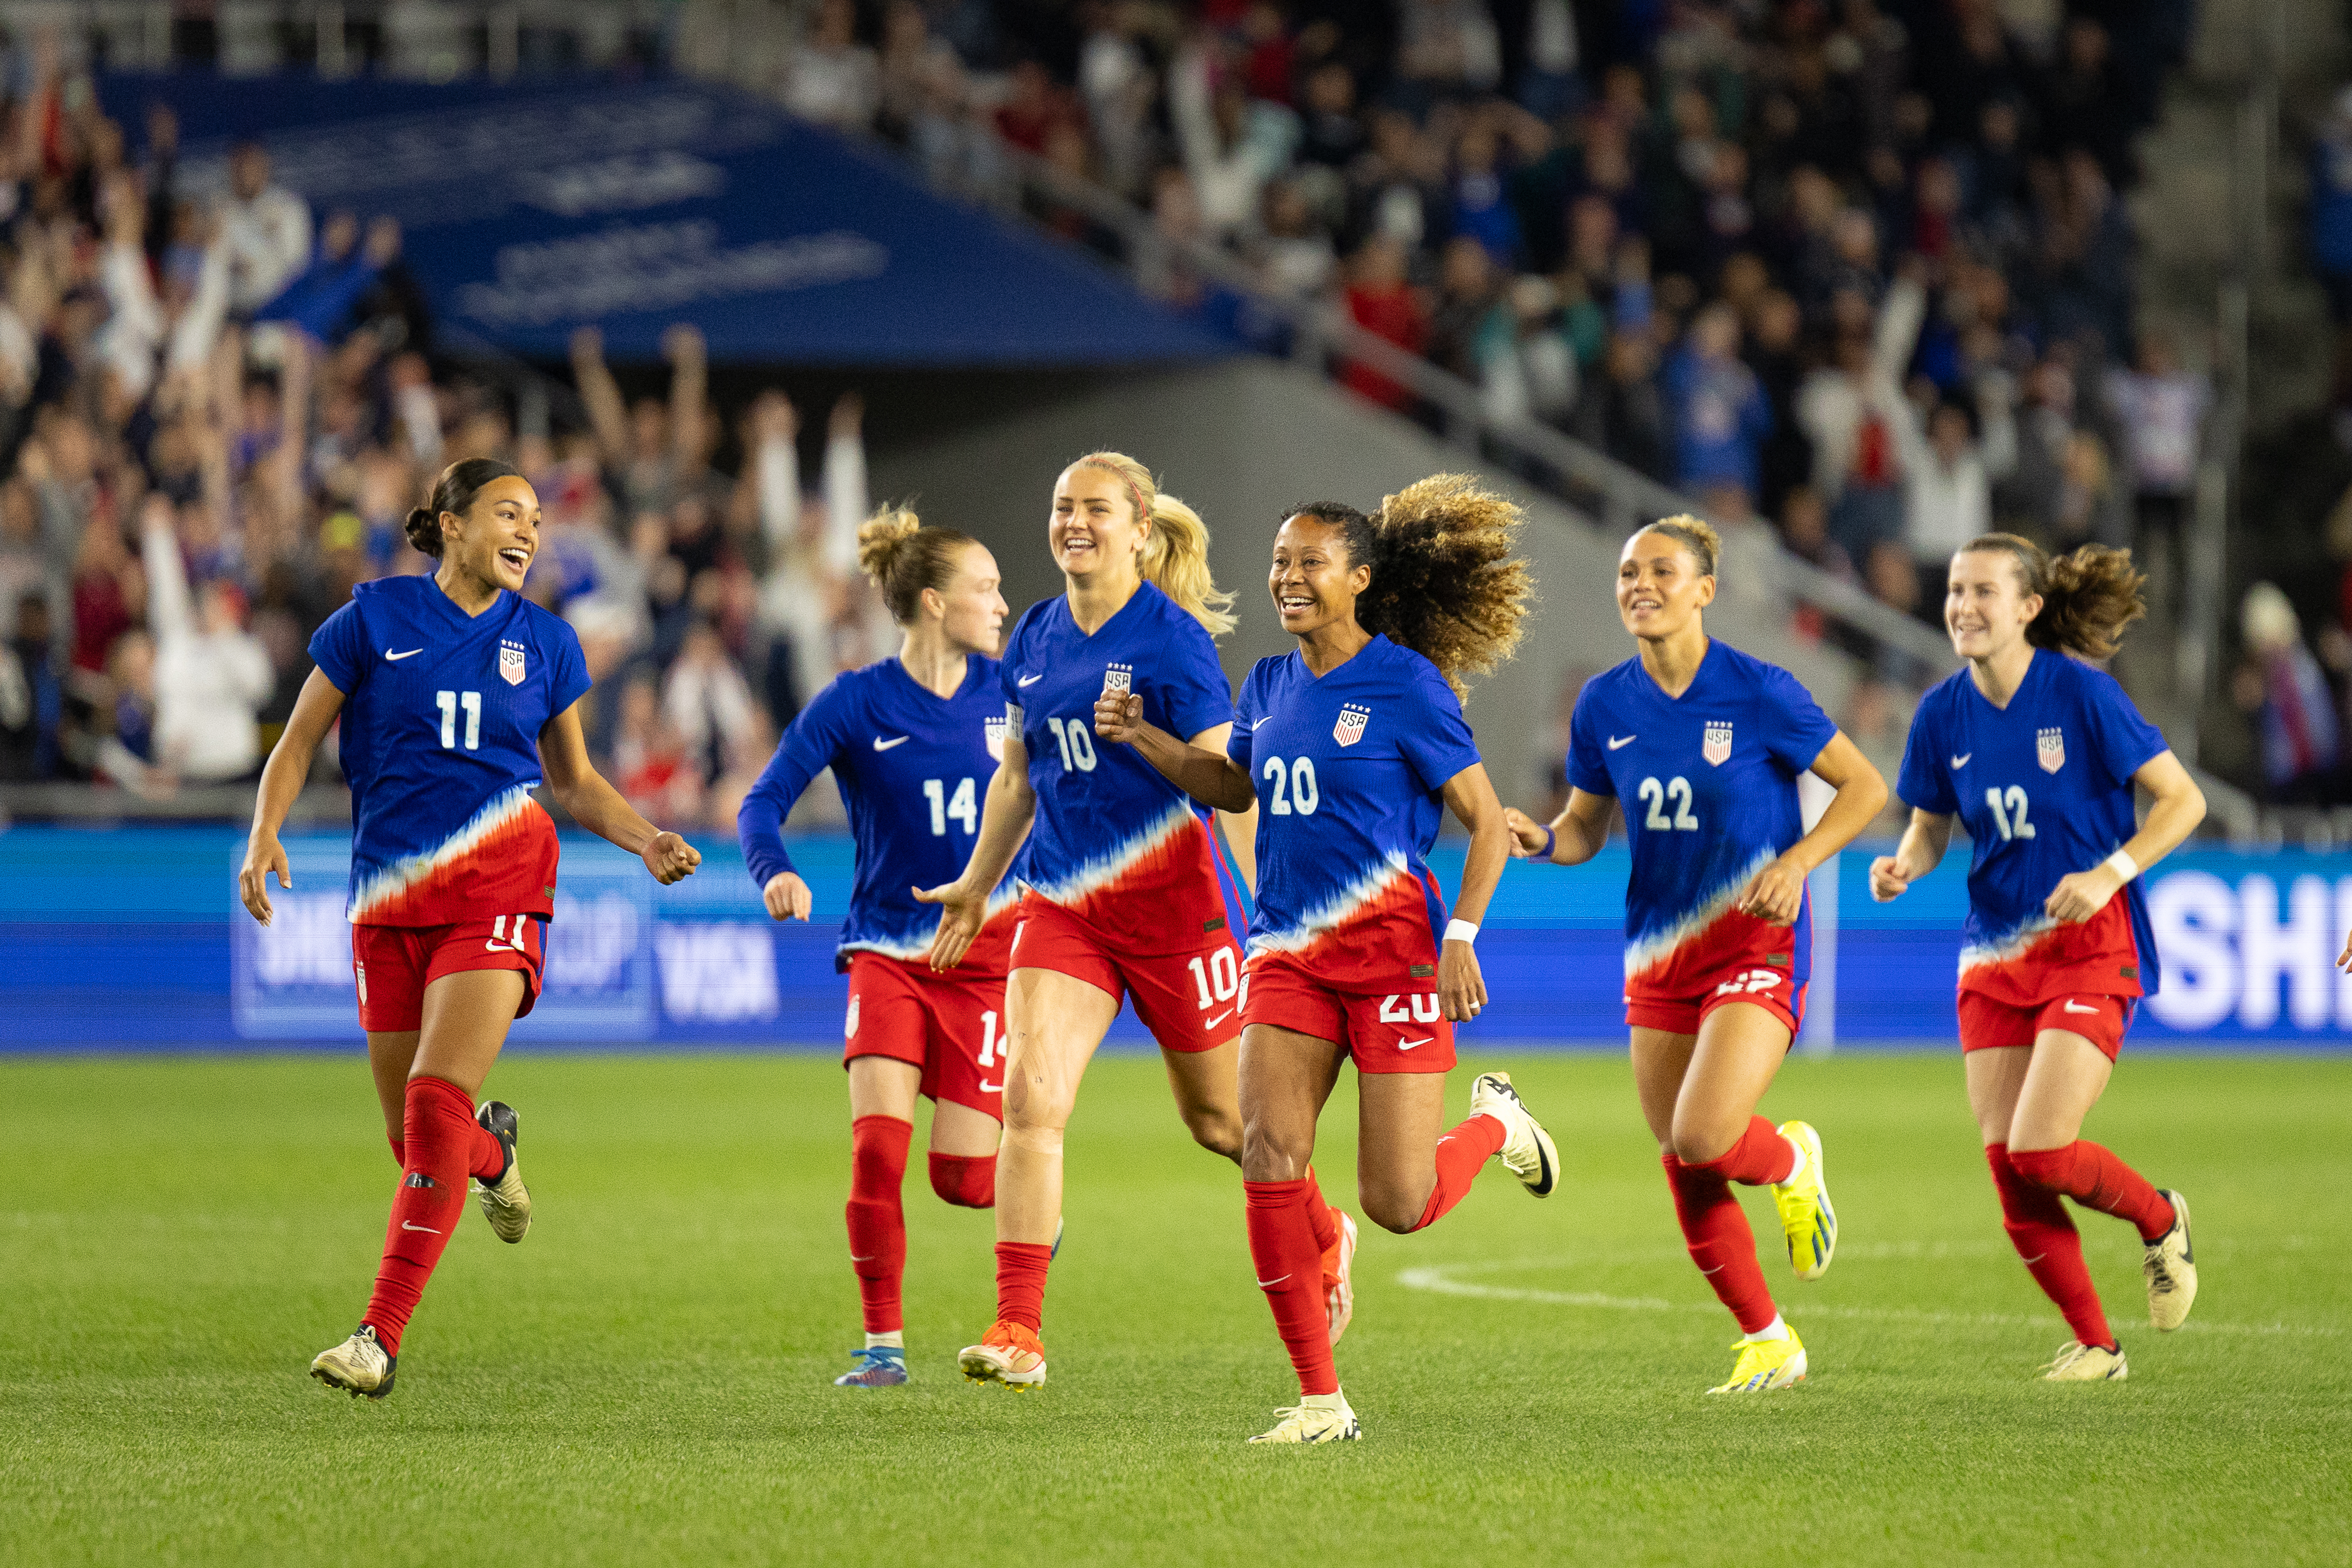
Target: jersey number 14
964	806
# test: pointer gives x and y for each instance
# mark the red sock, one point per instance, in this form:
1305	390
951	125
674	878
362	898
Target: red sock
1290	1271
1325	1218
1459	1155
877	1223
399	1146
1760	1157
2096	1179
1720	1242
442	1141
1021	1283
966	1181
2052	1248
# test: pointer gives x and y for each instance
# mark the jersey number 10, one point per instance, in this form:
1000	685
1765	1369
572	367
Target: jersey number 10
449	702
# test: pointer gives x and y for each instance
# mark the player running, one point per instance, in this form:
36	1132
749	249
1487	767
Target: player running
1123	896
2036	753
1703	745
911	741
457	697
1353	745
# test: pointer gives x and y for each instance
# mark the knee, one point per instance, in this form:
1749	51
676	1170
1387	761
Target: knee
1033	1106
1392	1209
966	1181
1267	1155
1216	1130
2042	1167
1697	1143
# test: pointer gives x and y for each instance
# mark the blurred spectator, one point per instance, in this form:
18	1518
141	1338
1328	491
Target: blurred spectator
708	702
211	675
1381	302
1949	498
1721	415
265	230
830	77
650	761
2159	408
2280	684
2331	232
32	697
1865	432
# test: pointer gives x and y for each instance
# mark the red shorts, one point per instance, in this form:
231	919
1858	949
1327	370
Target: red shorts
1760	969
1384	1032
394	964
1188	998
1987	1023
952	1028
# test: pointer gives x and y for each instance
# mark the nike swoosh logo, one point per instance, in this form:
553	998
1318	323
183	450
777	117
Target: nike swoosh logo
1716	1270
1614	742
1029	680
1408	1045
1218	1020
1255	722
1270	1284
987	1088
2072	1008
882	745
425	1229
1962	760
867	1259
391	657
2036	1258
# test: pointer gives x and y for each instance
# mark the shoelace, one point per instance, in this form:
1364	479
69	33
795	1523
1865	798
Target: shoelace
2069	1353
2159	1271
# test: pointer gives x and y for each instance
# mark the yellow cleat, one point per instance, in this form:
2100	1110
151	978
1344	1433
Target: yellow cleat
360	1365
1765	1363
2079	1362
1313	1424
1806	1217
1008	1353
2170	1266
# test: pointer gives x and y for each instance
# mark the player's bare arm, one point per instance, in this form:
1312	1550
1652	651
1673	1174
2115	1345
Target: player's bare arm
1199	766
281	779
2175	807
1470	797
1925	838
1575	835
597	806
1777	892
1004	819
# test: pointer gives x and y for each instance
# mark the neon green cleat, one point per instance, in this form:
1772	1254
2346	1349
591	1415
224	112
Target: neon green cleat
1806	1217
1306	1423
2079	1362
1764	1364
2170	1266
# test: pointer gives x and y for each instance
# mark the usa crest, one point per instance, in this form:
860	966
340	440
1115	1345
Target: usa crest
1716	747
994	729
2050	749
1118	678
1351	727
511	662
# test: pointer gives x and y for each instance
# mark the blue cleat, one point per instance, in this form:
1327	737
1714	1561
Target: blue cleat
878	1366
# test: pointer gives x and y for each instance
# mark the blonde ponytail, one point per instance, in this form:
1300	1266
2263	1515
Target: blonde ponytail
1176	553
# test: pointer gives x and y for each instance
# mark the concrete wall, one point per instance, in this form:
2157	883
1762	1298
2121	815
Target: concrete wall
1244	439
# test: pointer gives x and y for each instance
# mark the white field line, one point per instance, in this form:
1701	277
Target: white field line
1441	1280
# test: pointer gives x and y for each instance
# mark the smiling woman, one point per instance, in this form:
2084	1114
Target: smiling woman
457	697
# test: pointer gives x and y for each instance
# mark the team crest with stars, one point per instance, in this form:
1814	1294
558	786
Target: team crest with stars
1716	746
1351	727
1117	678
2050	749
994	730
511	662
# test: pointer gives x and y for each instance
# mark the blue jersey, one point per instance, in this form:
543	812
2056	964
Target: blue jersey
1114	842
2044	788
913	769
440	742
1707	781
1350	770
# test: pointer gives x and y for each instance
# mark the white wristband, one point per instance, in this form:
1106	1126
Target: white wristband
1461	930
2122	865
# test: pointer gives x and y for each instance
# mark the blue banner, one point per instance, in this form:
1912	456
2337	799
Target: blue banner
132	939
532	209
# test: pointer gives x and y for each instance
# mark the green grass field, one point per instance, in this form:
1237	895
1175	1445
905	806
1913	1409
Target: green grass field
647	1378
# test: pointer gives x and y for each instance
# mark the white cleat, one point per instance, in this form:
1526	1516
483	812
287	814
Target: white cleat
1527	1150
2171	1269
2079	1362
1313	1424
358	1366
1007	1354
506	1203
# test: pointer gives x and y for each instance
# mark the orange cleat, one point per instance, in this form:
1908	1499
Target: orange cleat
1008	1353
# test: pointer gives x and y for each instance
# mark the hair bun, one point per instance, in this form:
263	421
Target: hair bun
882	536
421	532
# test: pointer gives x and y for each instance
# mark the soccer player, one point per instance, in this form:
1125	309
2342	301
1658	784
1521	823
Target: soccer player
2037	751
457	697
1704	745
911	741
1123	895
1353	745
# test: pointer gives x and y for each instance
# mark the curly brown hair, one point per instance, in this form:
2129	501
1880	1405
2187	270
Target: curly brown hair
2089	597
1444	582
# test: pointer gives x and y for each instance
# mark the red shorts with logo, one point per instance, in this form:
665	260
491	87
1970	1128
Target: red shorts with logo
1188	997
394	964
950	1026
1987	1023
1758	968
1403	1031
